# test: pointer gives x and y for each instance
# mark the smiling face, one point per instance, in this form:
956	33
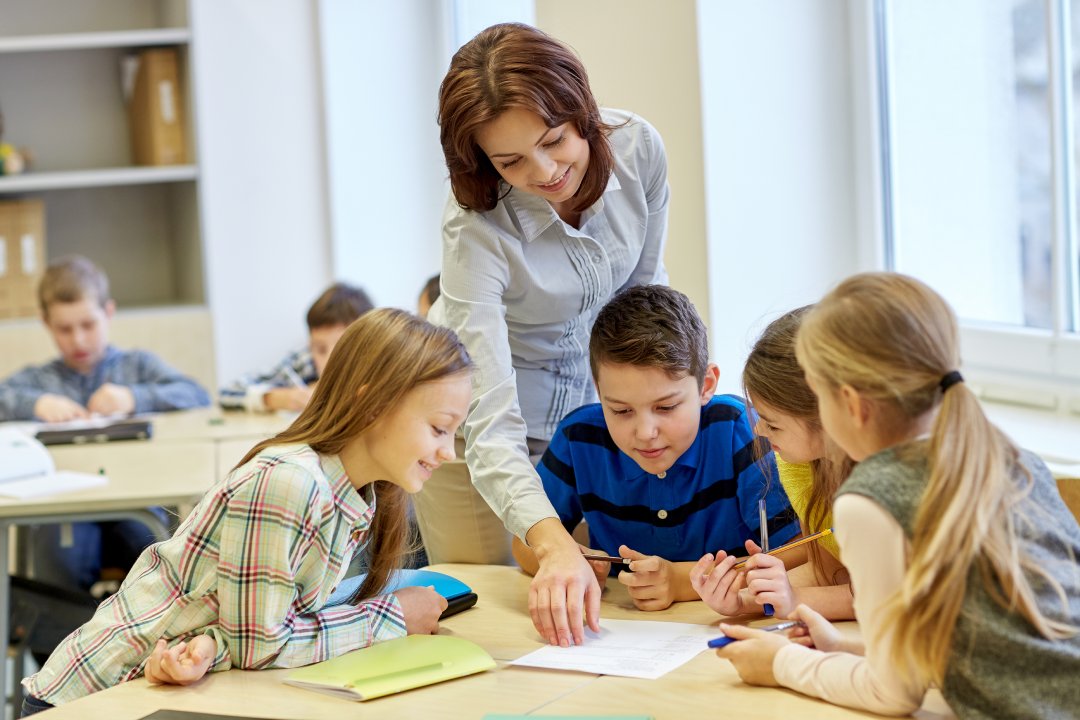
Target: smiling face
546	162
80	330
793	439
408	442
651	417
321	342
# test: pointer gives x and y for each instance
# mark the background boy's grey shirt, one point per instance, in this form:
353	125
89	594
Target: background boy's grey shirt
155	385
522	288
246	392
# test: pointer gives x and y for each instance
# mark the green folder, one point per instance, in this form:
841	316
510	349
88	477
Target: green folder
389	667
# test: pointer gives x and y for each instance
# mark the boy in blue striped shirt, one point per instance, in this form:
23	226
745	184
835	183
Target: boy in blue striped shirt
661	469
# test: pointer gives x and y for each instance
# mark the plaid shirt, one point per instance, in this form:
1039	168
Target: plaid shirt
252	566
155	385
246	393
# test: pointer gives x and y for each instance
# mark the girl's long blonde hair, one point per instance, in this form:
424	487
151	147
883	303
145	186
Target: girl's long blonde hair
772	375
381	357
893	339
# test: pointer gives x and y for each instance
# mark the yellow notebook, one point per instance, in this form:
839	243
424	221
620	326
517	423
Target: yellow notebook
393	666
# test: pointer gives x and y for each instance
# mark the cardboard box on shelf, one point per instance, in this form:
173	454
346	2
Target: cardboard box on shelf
22	256
155	108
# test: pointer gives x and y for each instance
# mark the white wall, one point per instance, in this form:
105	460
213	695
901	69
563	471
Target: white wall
382	65
779	163
658	80
262	174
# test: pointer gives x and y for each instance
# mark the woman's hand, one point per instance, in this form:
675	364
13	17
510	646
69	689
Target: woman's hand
767	581
651	580
717	583
753	655
184	663
422	607
564	590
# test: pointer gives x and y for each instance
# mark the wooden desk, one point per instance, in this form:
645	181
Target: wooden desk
704	687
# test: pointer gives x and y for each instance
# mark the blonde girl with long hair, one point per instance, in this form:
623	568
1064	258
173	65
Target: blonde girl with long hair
810	469
961	552
246	579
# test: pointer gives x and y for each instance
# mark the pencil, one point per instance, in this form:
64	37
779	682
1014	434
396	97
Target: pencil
607	558
790	545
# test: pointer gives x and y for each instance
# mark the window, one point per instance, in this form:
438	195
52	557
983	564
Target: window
977	174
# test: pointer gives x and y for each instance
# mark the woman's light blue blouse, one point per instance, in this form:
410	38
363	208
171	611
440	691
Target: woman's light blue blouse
522	288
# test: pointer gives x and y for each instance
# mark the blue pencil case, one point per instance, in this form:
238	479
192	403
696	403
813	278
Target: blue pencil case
459	596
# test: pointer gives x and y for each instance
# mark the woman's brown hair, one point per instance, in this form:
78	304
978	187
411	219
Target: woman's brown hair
772	376
893	339
512	65
382	356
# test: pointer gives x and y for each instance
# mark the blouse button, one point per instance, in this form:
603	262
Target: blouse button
597	258
661	475
662	514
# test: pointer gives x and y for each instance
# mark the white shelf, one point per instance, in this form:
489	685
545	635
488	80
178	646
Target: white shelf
92	40
104	177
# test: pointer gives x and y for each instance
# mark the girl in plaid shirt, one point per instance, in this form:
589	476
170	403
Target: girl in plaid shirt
244	582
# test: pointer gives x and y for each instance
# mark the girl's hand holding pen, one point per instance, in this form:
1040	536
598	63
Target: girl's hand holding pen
722	585
767	581
753	655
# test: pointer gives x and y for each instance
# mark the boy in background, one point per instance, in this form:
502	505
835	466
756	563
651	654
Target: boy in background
288	386
91	377
661	469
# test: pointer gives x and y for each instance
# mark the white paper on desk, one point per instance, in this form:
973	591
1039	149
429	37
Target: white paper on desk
51	484
631	648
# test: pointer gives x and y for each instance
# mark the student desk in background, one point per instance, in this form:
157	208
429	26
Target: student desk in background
704	687
187	453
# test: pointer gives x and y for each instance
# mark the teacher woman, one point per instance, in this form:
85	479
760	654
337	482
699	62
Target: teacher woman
556	205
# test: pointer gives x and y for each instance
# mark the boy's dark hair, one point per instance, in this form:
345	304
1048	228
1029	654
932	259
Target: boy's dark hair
339	304
431	289
70	279
651	326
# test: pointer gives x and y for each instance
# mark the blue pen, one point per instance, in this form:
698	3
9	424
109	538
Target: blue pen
763	520
724	640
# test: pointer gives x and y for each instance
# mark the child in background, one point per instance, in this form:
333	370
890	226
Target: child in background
811	469
245	580
962	553
428	296
662	470
290	384
90	376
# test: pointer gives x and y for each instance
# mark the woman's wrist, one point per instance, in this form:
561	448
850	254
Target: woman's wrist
548	536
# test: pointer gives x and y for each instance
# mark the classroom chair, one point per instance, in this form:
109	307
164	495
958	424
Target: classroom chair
1069	487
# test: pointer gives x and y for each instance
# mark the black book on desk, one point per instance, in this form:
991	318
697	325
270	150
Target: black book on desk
94	431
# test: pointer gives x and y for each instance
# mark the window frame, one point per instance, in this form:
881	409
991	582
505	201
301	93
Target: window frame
1020	365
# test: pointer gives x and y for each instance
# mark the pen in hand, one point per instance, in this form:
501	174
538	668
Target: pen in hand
607	558
724	640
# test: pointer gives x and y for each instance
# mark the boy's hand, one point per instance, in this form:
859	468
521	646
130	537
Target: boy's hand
767	580
182	664
422	607
291	398
112	399
57	408
719	584
651	581
599	567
